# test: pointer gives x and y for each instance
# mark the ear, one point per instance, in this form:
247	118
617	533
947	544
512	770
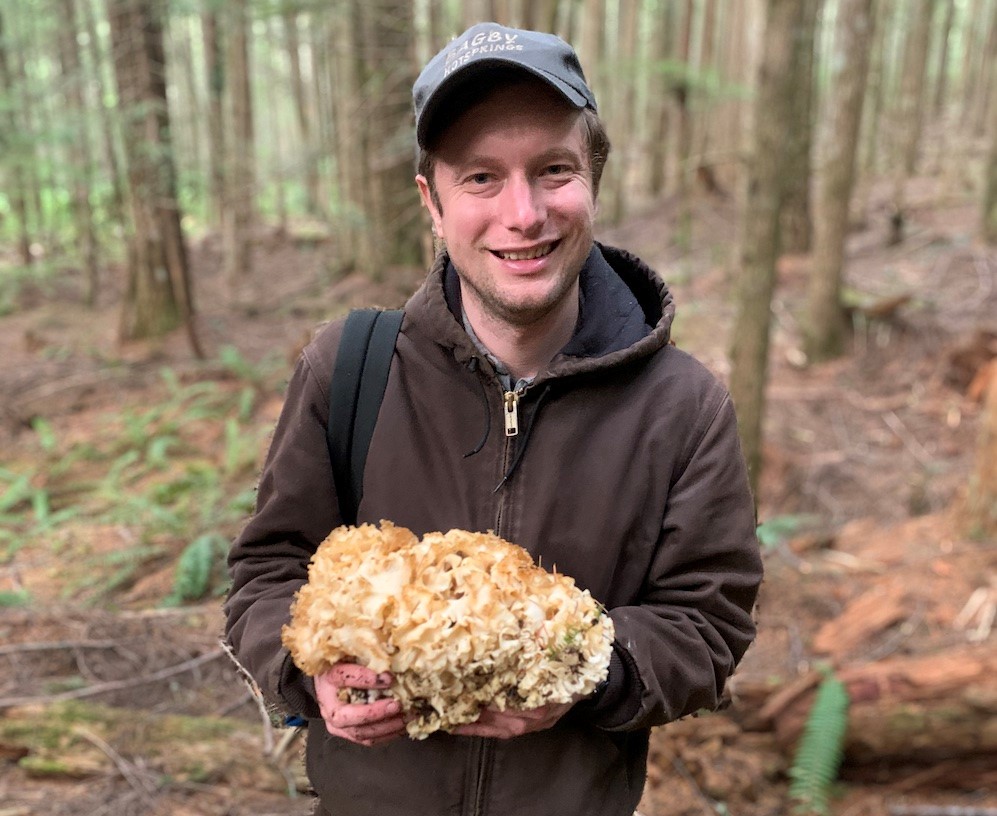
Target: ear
427	200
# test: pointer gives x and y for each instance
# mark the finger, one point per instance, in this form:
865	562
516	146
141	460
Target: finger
504	730
370	733
350	674
352	716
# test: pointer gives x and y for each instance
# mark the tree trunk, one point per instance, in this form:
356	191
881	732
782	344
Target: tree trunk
872	113
760	232
438	30
350	122
942	73
187	146
240	174
913	83
301	107
214	68
474	11
11	150
988	215
116	205
826	324
659	112
982	499
734	114
322	94
620	111
80	153
394	228
797	224
276	168
908	117
705	125
591	45
157	295
42	169
541	15
971	48
983	94
681	92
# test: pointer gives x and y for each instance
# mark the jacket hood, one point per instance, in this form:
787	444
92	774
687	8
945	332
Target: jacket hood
625	313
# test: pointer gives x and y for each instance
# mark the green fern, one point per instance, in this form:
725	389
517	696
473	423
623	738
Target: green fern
818	755
192	578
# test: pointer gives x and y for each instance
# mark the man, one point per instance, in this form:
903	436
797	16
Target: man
619	460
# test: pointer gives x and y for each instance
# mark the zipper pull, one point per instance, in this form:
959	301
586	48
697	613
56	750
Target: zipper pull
511	413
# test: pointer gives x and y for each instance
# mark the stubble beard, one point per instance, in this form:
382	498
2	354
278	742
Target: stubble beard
520	315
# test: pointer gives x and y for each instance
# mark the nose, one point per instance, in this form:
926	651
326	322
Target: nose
523	207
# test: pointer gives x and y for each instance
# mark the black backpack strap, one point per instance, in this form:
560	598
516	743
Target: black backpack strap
355	393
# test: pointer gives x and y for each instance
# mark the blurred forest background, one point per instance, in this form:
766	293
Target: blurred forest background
190	187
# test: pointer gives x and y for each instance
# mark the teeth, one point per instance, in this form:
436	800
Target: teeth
529	255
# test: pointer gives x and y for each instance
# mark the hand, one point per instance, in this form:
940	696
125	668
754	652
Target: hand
363	723
514	722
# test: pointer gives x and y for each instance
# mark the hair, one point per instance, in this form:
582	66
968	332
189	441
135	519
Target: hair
597	145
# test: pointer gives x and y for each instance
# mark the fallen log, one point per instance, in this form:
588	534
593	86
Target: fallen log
904	709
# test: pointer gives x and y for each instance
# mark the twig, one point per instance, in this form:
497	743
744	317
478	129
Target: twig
904	631
926	777
284	768
116	685
787	695
982	604
890	402
125	768
57	645
254	689
247	697
894	423
940	810
679	766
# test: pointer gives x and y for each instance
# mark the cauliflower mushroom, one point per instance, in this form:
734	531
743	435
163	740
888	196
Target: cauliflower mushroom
462	620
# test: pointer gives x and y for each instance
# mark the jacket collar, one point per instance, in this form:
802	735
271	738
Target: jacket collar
625	312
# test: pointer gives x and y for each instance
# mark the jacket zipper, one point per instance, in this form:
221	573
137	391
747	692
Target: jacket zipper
511	412
481	749
484	756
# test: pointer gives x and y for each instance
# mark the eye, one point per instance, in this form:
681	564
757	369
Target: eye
557	169
479	178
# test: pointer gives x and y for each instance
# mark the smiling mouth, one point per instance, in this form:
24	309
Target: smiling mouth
527	254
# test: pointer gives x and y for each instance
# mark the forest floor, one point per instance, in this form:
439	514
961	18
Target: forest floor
117	699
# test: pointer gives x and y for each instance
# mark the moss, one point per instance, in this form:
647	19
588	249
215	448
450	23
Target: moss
46	766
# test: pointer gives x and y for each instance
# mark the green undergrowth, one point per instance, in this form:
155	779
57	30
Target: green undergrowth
171	478
70	741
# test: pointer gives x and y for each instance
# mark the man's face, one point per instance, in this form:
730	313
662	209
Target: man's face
516	205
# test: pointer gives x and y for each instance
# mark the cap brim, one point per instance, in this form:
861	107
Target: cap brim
457	83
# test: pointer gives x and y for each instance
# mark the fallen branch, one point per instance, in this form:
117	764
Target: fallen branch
940	810
895	424
704	800
57	645
257	694
115	685
142	786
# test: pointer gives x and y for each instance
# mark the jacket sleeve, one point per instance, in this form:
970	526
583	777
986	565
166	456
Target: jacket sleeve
295	510
677	646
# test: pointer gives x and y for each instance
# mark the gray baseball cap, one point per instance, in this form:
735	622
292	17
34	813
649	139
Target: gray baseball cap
484	47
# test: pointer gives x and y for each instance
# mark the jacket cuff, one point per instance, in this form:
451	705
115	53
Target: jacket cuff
617	701
296	690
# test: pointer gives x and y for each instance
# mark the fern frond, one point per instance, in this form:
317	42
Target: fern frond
818	754
192	578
